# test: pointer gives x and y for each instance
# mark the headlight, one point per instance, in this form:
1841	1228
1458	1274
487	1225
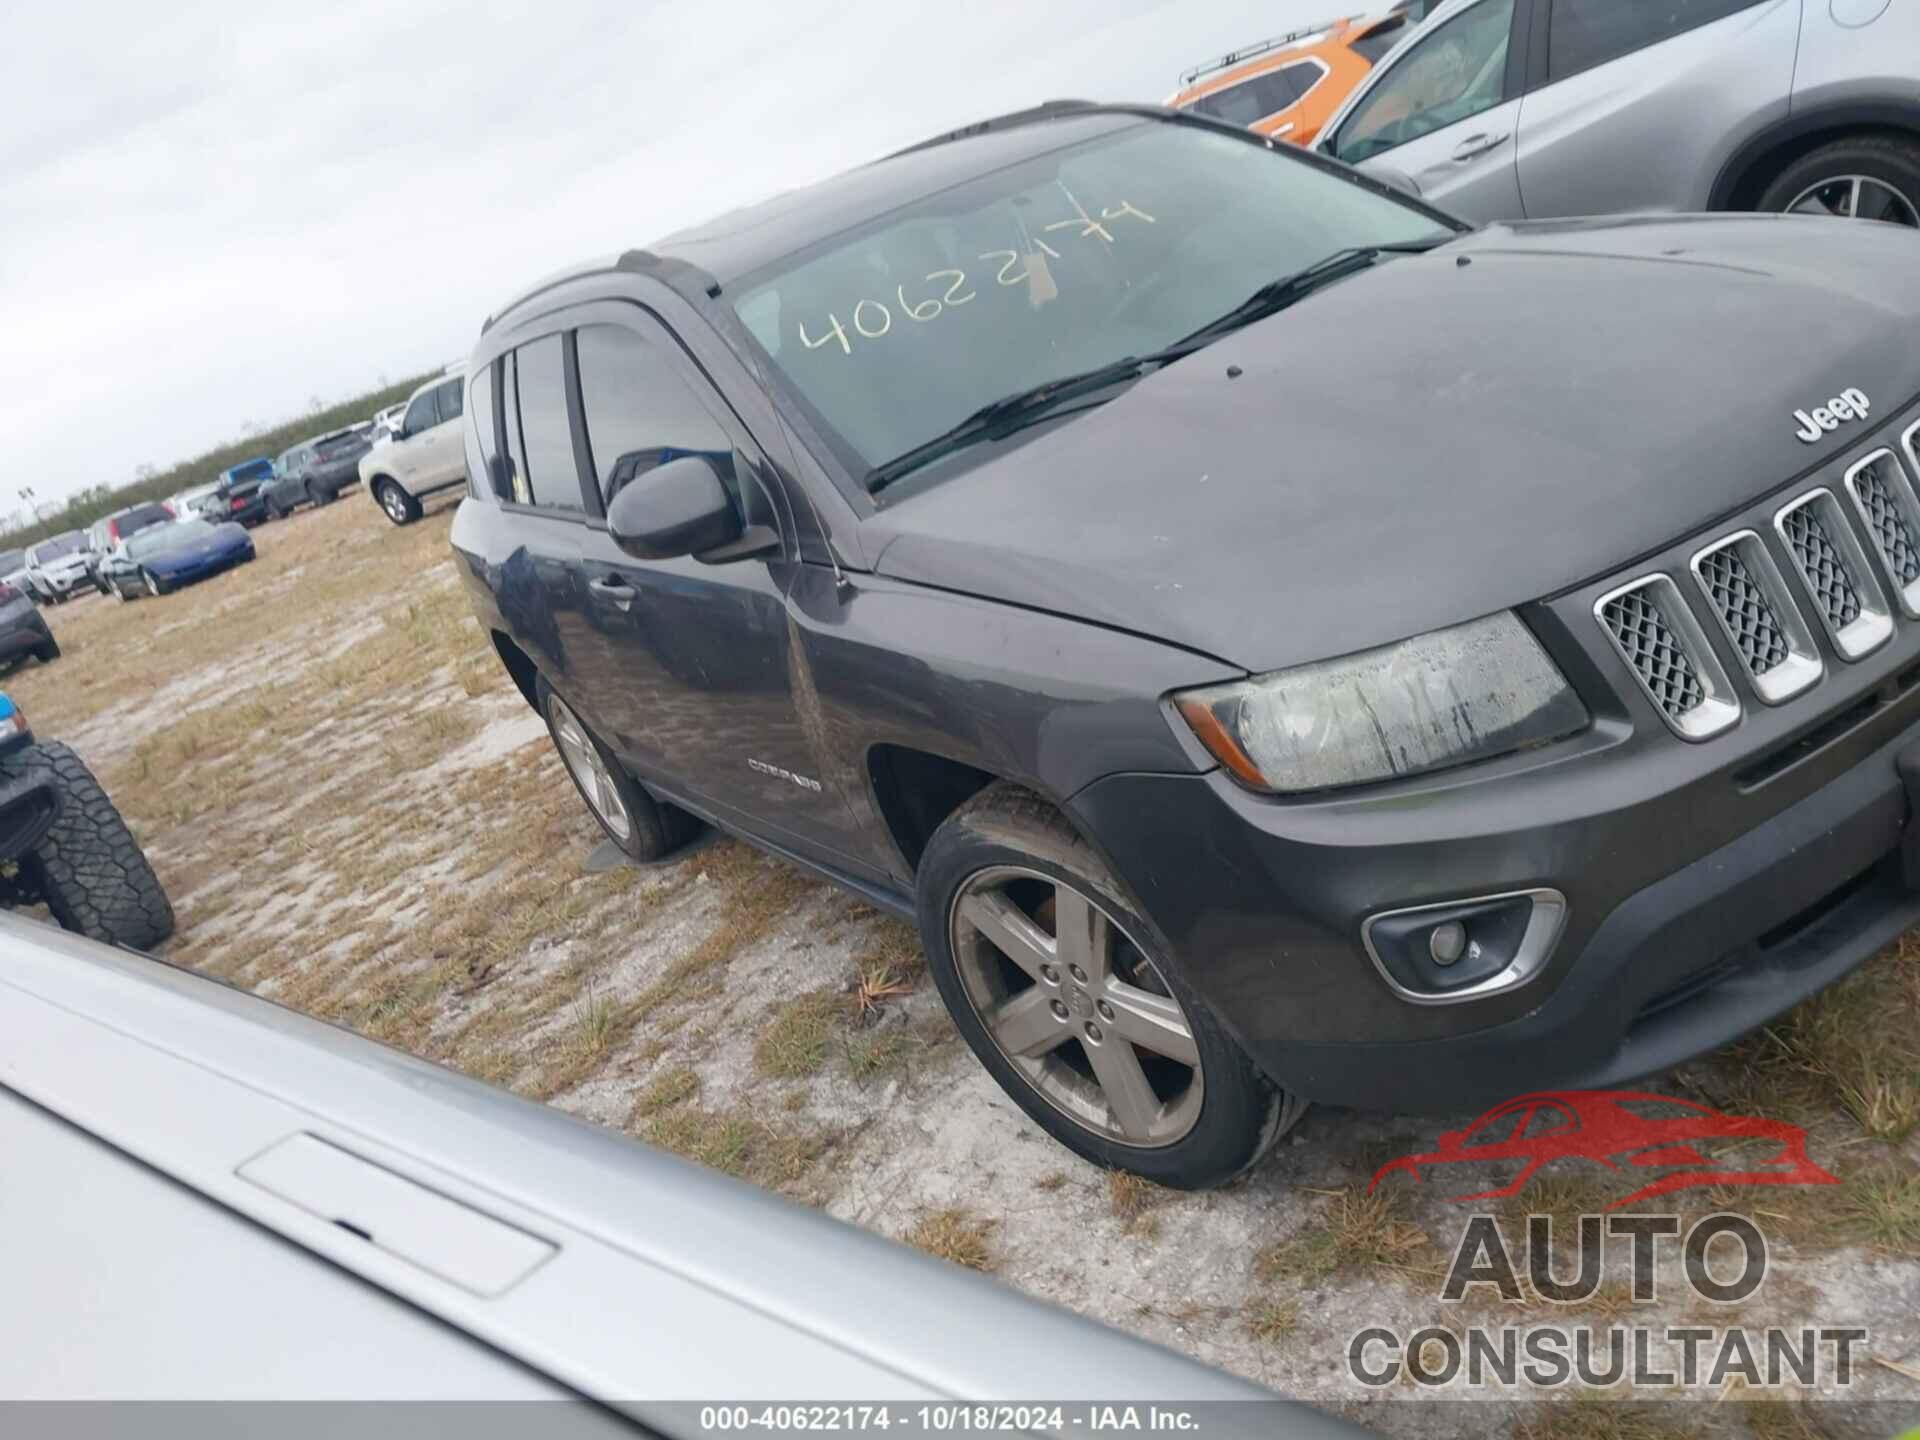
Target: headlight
1466	693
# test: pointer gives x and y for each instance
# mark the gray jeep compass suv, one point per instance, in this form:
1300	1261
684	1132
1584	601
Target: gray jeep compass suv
1281	646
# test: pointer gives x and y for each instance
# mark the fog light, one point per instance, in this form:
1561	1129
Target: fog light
1447	943
1462	950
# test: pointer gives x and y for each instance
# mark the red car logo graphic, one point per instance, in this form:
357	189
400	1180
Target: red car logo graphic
1620	1128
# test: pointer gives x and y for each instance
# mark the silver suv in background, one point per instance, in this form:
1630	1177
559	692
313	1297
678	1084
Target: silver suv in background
1519	109
427	453
58	566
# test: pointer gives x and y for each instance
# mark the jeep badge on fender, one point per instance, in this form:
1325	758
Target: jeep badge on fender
1847	405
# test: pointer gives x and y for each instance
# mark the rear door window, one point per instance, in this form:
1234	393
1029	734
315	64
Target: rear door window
1259	96
545	431
639	410
1585	33
420	414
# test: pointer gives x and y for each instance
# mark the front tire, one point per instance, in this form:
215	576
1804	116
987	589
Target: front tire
642	827
48	653
1068	998
153	583
1863	177
88	867
398	506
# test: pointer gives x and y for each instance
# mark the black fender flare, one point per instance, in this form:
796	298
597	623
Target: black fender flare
1786	134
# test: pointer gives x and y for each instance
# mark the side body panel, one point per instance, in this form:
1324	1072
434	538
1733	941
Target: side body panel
1651	129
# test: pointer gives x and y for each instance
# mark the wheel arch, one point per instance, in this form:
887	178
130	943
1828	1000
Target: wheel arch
1753	165
914	791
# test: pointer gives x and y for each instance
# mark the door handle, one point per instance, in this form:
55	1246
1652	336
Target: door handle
617	591
1477	145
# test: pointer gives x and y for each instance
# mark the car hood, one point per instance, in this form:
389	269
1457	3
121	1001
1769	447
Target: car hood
1437	438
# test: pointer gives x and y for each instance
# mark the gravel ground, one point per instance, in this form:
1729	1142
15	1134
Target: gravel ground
356	814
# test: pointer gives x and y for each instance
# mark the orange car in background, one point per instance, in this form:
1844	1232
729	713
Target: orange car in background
1286	88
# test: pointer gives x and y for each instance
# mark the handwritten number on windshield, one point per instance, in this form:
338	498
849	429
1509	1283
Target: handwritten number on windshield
873	319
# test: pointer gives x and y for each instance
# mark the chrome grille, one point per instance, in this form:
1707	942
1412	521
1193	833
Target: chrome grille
1838	575
1873	485
1654	651
1749	619
1819	560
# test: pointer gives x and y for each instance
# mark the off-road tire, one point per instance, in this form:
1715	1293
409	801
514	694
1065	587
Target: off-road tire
1892	161
1243	1114
657	829
88	867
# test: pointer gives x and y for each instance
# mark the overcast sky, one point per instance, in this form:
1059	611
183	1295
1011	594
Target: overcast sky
212	216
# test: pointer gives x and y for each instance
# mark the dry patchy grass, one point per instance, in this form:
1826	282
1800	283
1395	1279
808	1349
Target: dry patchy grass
1348	1232
957	1235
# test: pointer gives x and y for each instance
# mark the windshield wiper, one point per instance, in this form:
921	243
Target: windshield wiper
1002	417
1277	295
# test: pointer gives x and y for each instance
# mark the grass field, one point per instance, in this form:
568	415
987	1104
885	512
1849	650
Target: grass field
357	815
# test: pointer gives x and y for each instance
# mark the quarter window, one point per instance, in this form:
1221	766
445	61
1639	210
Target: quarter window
489	473
640	411
545	431
1585	33
1452	75
447	400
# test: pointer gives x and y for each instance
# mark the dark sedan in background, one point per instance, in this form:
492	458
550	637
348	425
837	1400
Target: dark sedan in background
315	471
23	629
169	556
242	491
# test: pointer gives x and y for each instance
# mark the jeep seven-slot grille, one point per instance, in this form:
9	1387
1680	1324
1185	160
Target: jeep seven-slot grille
1819	561
1890	530
1653	650
1750	620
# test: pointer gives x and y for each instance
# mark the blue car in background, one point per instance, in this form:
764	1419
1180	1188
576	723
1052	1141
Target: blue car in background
242	491
166	557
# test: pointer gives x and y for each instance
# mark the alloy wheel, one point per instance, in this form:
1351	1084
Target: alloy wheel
582	759
153	585
395	507
1856	197
1074	1004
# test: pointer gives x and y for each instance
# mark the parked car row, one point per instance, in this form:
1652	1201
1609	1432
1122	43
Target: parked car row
1537	109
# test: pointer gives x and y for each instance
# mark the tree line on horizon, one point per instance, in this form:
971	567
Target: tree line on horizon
90	504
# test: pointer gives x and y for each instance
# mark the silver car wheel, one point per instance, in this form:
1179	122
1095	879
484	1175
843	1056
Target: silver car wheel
393	503
582	759
1856	197
1074	1004
153	585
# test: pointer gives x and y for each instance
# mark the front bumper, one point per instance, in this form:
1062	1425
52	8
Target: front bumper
1679	966
64	582
204	569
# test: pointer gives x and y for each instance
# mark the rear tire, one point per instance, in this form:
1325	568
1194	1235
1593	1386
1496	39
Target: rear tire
396	504
652	829
48	653
318	495
88	867
1189	1121
1881	172
155	587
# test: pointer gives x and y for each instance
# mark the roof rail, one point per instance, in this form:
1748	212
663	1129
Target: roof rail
1044	111
1278	42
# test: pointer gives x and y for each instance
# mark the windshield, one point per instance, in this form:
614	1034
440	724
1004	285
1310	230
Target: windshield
165	537
1120	246
68	544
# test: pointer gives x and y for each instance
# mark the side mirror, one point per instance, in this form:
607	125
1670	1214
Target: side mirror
681	508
